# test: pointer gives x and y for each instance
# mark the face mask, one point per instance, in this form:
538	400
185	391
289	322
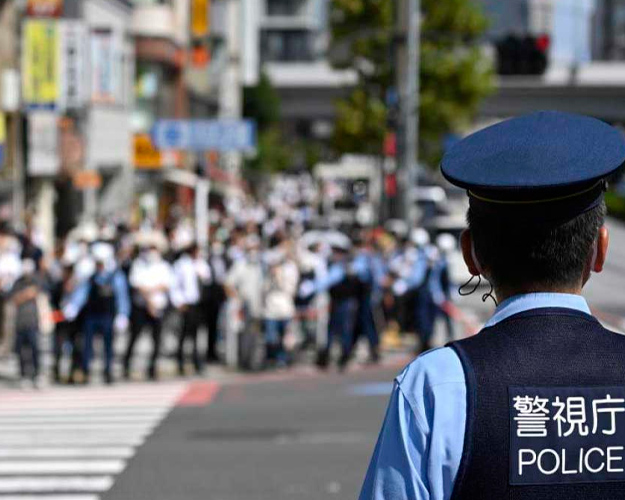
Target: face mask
153	256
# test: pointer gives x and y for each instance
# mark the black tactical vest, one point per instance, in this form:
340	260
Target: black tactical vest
101	297
545	409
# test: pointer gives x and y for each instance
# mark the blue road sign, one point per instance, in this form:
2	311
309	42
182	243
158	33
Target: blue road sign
205	135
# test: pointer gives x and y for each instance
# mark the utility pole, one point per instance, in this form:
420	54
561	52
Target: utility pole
410	109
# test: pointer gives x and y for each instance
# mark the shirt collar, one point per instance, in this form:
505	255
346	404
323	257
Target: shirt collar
525	302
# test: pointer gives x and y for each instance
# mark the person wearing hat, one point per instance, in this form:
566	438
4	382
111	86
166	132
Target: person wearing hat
533	406
411	288
440	283
370	272
342	287
106	304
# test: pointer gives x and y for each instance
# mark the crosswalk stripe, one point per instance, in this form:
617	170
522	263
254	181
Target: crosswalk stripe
70	405
34	467
70	444
49	497
72	440
52	484
69	418
65	452
78	412
76	427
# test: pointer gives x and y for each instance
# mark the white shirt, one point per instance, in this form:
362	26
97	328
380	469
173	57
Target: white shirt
10	269
246	278
186	290
280	289
151	278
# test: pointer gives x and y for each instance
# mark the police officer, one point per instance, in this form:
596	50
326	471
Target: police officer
104	298
341	285
413	289
533	406
440	284
369	273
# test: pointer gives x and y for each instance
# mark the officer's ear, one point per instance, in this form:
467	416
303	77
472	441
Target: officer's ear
466	243
600	251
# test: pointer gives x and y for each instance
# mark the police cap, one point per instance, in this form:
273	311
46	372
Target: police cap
544	166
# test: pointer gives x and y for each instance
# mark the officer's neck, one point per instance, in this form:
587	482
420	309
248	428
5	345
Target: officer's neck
504	293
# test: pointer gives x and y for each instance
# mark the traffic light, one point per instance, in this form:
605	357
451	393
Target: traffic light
522	55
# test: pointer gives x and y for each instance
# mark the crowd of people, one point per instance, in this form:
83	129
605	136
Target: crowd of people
269	275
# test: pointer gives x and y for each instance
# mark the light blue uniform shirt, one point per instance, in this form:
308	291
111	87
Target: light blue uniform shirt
420	446
80	297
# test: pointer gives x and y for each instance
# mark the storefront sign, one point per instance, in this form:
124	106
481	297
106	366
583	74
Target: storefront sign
146	156
45	8
40	65
73	37
43	143
3	138
200	18
105	67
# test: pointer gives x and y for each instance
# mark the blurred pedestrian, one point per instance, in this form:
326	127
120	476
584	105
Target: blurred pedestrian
213	299
151	279
441	286
66	333
369	273
23	296
106	303
279	290
189	272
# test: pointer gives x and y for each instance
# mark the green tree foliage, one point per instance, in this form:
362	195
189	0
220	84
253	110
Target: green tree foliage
262	103
454	74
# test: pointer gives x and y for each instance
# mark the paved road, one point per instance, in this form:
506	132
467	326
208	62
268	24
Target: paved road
276	436
227	437
308	438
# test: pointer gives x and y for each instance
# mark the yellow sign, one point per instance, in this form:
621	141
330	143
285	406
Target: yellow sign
3	129
146	155
40	64
200	14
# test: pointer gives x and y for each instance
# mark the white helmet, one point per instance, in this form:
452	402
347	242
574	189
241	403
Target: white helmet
419	237
446	242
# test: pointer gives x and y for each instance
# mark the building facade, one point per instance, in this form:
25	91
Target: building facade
585	72
288	39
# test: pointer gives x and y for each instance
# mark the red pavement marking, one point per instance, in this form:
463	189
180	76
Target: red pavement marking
199	394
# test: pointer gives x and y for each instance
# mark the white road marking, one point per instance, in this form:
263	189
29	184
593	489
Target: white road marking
72	440
47	427
51	484
103	412
78	419
71	443
35	467
49	497
65	452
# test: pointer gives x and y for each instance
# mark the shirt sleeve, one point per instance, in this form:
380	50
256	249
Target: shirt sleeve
79	297
398	468
122	300
175	292
421	443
